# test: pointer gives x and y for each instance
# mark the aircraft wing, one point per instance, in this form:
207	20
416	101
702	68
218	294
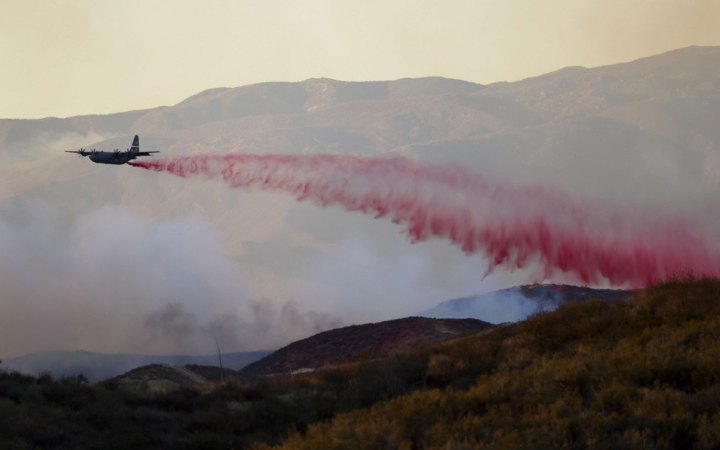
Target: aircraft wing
79	152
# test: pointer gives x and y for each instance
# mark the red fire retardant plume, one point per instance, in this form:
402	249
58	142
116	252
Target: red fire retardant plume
512	226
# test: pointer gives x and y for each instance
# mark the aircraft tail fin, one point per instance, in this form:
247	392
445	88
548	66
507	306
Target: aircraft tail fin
135	145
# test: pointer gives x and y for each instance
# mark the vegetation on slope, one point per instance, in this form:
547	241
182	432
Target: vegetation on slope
638	374
642	373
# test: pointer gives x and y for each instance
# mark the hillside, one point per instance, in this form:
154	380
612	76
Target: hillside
519	302
367	341
637	374
640	373
168	377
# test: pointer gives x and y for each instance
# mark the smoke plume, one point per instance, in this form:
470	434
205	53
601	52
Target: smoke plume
513	226
114	281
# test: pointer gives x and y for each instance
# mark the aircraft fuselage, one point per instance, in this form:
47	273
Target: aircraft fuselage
111	157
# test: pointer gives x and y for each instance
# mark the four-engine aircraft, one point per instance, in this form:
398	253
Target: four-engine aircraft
116	156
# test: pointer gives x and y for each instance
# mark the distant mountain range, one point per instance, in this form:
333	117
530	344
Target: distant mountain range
517	303
587	128
100	366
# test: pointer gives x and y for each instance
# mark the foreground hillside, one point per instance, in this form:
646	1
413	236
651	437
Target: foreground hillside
637	374
640	373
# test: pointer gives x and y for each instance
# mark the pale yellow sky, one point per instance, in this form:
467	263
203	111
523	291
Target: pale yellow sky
70	57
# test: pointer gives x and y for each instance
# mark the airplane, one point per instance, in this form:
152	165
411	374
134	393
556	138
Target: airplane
114	157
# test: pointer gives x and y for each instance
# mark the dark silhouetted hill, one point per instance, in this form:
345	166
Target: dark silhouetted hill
372	340
166	377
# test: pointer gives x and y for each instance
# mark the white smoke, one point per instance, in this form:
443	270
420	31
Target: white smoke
115	281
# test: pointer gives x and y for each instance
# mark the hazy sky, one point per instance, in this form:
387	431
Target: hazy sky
70	57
